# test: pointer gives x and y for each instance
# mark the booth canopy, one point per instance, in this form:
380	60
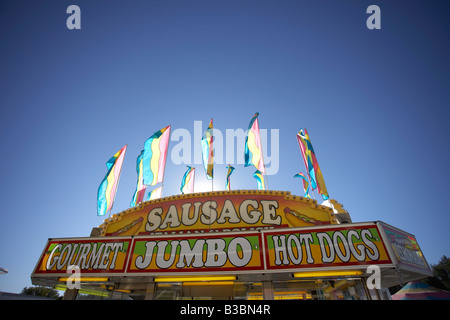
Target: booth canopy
417	290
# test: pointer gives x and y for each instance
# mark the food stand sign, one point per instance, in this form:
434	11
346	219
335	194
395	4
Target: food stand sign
280	250
210	252
91	255
406	250
325	247
221	211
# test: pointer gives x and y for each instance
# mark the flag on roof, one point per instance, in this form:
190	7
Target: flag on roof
305	183
108	187
154	157
253	147
138	196
187	183
207	151
260	180
230	171
154	194
311	164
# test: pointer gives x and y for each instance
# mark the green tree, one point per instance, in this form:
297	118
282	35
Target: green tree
42	292
441	272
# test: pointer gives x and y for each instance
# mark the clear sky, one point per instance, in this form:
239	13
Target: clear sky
375	103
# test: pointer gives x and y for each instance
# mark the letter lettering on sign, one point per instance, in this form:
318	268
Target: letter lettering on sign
216	256
94	258
326	242
187	254
67	249
171	218
344	253
279	246
104	260
358	251
246	251
186	217
161	262
249	217
228	211
374	255
269	211
209	213
307	239
294	251
83	256
144	262
50	261
153	219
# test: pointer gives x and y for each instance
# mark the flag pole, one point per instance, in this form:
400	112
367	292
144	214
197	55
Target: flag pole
212	152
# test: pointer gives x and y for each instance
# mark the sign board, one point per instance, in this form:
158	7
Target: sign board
211	252
287	250
91	255
406	250
223	211
325	247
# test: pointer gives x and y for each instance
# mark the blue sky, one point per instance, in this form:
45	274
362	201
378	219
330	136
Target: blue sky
375	103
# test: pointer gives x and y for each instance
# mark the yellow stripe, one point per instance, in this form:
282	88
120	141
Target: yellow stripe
110	180
154	164
256	153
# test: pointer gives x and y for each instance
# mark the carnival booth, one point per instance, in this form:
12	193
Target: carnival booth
244	244
231	244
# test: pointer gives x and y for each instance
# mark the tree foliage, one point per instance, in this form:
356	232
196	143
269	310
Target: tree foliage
441	272
42	292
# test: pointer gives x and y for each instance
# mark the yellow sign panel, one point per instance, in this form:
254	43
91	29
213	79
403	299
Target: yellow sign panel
281	250
209	252
90	255
221	211
321	247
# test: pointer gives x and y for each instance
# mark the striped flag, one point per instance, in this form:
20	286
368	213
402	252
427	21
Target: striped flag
260	180
230	171
154	194
253	147
154	157
311	164
187	183
207	151
305	183
108	187
138	196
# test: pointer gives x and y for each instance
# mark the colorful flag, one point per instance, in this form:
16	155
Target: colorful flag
187	184
230	171
138	196
311	164
154	194
107	189
260	180
253	148
207	151
305	183
154	157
